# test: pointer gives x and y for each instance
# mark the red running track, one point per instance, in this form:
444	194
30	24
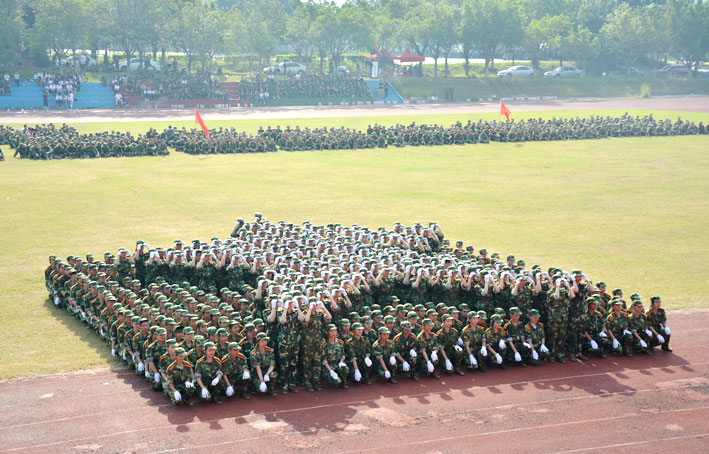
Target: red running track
642	404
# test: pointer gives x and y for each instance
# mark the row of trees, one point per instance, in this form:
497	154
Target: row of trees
601	32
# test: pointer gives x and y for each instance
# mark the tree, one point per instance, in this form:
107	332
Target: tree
545	35
626	35
442	34
579	45
493	25
688	22
12	26
59	25
263	30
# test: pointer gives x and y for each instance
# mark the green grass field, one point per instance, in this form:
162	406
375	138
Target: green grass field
633	212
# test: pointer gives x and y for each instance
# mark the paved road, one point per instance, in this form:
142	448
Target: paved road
642	404
687	103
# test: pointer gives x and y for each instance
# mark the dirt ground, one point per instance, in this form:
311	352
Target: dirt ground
643	404
685	103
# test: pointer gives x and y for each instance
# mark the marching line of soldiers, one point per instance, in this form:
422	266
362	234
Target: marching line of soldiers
277	305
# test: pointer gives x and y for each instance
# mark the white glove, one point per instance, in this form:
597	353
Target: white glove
648	332
141	366
594	344
518	357
57	301
616	344
368	362
626	332
602	334
643	343
483	351
246	375
429	365
102	333
434	356
334	375
205	393
392	360
667	330
387	375
458	348
405	366
113	352
266	378
527	345
357	375
189	385
460	341
660	338
498	358
544	348
472	360
535	355
147	373
262	387
502	344
412	353
177	395
124	355
449	365
157	377
215	381
341	364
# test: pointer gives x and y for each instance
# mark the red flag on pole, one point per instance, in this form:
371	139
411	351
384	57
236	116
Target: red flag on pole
505	111
199	121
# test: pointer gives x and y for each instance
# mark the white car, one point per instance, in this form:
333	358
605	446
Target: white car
135	63
564	71
286	68
516	71
70	61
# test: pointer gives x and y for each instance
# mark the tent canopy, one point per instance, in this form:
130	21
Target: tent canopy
410	57
381	55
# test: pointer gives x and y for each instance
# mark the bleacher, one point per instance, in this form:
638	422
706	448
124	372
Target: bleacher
28	96
393	96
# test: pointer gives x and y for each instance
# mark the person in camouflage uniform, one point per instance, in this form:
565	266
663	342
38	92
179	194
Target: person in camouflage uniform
290	319
640	328
209	375
384	353
657	321
179	377
496	342
617	328
236	371
406	347
313	326
334	367
450	345
593	337
428	349
533	344
557	324
263	365
517	352
359	351
473	336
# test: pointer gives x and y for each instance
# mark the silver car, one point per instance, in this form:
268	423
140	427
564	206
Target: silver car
564	71
517	71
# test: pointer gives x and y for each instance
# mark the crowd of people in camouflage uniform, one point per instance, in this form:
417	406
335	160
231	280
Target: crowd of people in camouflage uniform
277	305
168	85
50	142
304	86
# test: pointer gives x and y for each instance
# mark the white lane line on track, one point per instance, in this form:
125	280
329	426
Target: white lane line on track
633	443
357	402
523	429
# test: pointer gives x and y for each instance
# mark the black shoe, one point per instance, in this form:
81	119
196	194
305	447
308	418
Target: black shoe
482	369
666	348
344	385
246	396
628	354
414	377
583	357
367	381
284	390
216	400
502	366
435	375
458	372
292	389
189	403
309	387
392	380
602	355
572	358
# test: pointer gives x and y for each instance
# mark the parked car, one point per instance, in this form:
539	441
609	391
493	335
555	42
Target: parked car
516	71
136	63
286	68
70	61
673	70
633	71
564	71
